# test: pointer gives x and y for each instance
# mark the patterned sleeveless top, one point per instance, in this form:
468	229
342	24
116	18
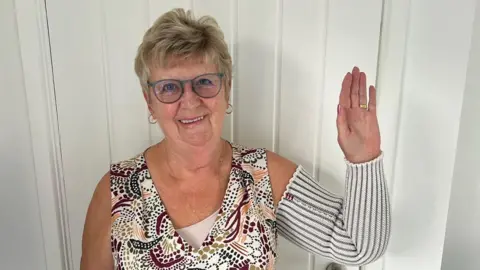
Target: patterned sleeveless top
244	235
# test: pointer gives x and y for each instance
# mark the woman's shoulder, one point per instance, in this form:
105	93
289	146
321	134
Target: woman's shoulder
243	148
246	150
280	169
128	166
272	160
249	155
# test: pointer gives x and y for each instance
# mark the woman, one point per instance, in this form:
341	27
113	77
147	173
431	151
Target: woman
197	201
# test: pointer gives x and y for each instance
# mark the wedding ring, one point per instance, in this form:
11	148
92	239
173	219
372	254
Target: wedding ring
363	106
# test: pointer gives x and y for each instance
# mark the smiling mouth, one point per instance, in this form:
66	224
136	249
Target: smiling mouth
191	121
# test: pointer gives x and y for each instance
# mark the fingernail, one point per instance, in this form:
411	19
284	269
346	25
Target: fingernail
338	109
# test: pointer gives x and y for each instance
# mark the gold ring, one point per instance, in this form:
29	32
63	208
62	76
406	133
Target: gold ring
363	106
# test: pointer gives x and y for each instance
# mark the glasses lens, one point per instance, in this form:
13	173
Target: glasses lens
207	85
168	91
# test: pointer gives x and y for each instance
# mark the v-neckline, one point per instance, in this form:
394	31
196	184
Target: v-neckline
171	230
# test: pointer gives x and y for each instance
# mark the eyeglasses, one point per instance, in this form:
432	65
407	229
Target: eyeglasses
170	90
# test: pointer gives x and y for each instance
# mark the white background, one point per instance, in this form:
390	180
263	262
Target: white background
71	104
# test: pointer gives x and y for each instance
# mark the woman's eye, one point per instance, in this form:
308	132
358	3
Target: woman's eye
204	82
169	87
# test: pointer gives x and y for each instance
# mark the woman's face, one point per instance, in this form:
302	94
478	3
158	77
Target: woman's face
192	119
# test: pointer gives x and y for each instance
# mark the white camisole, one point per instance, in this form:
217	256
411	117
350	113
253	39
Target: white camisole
195	234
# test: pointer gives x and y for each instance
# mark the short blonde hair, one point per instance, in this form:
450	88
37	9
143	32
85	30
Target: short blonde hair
178	33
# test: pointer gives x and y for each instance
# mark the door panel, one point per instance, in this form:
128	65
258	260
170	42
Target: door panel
301	84
254	97
121	34
79	69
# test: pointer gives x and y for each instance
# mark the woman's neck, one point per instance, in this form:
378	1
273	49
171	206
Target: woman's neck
185	161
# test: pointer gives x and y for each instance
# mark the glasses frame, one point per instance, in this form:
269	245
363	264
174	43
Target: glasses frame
182	84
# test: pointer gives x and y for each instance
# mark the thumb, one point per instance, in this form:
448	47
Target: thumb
342	124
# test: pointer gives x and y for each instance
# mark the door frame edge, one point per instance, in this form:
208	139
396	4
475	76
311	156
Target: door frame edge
33	38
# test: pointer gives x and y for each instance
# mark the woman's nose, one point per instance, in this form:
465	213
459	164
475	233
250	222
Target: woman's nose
189	96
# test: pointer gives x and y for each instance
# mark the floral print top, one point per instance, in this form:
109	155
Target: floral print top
244	235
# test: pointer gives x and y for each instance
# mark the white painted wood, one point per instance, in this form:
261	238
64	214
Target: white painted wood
255	72
23	240
39	90
390	84
462	236
157	8
127	110
81	93
432	92
353	37
301	86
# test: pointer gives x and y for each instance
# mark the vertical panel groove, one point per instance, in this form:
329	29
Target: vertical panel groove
56	146
106	77
28	106
400	101
233	41
378	71
192	5
277	83
386	22
319	113
32	157
399	114
148	16
380	36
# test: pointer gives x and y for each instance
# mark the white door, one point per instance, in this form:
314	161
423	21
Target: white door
83	109
289	60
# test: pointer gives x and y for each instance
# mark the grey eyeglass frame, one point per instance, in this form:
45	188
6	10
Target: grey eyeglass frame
182	84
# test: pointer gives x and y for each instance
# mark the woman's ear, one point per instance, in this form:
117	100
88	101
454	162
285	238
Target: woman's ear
229	87
146	96
147	99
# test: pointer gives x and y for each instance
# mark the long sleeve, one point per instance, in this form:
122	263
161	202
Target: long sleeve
353	230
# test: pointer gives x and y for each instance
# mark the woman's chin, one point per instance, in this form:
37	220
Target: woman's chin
196	134
196	138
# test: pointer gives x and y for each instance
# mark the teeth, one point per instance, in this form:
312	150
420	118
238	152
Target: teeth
192	120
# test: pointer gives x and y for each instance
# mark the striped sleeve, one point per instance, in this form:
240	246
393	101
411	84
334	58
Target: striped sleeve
351	230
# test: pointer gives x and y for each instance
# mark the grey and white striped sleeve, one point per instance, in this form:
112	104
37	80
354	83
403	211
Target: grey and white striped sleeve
353	230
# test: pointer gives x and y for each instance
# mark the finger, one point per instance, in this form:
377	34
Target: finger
342	124
345	92
372	103
354	99
363	89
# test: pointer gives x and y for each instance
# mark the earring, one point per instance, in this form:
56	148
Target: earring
229	109
152	120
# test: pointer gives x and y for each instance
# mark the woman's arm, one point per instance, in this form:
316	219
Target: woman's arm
353	230
96	251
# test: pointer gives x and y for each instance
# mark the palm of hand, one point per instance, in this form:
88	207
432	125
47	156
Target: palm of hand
358	130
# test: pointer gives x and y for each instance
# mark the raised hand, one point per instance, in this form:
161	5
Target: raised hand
357	123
